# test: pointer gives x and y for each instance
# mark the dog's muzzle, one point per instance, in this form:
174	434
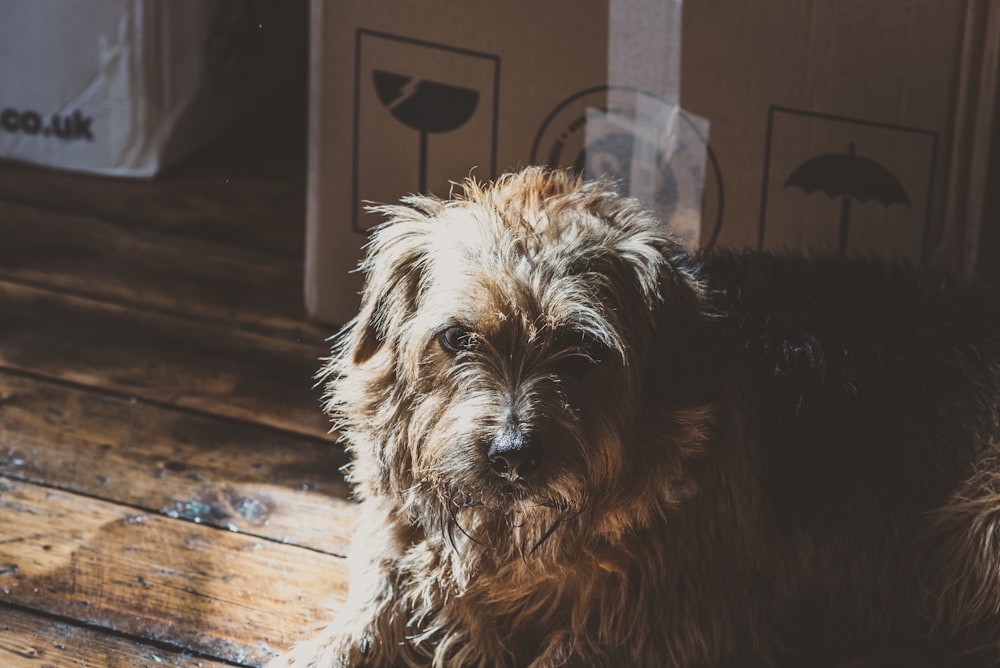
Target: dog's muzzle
512	454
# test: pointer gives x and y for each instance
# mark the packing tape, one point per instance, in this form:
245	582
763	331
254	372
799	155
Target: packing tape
640	137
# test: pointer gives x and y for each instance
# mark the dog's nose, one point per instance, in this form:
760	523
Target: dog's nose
512	453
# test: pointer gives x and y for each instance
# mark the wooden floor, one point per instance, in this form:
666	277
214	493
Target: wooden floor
169	494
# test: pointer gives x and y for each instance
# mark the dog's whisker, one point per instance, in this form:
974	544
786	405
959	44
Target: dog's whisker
456	523
548	533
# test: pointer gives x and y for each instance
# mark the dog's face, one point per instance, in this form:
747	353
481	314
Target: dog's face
500	356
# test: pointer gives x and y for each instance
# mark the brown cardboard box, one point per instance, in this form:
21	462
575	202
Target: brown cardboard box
855	123
908	86
408	97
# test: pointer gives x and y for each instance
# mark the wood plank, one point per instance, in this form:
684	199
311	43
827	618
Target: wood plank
151	270
231	475
163	358
32	641
244	190
243	212
193	587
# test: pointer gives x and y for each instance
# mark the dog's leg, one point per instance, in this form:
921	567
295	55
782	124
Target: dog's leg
369	630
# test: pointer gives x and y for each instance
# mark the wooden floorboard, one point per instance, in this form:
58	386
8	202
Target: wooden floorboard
33	641
198	588
153	271
170	493
246	190
232	475
173	360
172	205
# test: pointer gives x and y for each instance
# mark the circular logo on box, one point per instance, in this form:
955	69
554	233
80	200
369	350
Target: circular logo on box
648	147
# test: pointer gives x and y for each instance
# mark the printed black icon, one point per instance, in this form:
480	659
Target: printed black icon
424	115
848	176
878	178
425	106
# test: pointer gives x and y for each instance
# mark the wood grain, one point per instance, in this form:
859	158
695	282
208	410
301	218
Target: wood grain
238	212
154	271
31	641
169	493
169	359
245	190
193	587
231	475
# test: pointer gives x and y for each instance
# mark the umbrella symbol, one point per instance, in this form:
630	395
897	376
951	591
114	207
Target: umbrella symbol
425	106
848	175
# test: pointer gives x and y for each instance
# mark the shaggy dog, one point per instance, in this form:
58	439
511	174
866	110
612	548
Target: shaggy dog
577	444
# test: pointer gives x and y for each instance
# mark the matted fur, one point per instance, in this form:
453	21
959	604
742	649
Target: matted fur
742	459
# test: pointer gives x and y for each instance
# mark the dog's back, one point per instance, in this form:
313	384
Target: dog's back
871	392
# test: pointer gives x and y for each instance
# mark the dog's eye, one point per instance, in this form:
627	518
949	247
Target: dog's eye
454	339
581	353
579	361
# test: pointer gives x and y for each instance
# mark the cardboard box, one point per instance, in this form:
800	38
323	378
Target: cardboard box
408	98
849	125
858	125
127	87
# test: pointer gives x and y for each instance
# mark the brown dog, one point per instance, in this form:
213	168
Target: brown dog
577	444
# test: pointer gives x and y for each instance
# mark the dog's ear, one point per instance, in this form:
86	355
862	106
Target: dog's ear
367	330
393	268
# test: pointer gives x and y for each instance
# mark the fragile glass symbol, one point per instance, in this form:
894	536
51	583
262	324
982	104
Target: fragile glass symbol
425	106
848	175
